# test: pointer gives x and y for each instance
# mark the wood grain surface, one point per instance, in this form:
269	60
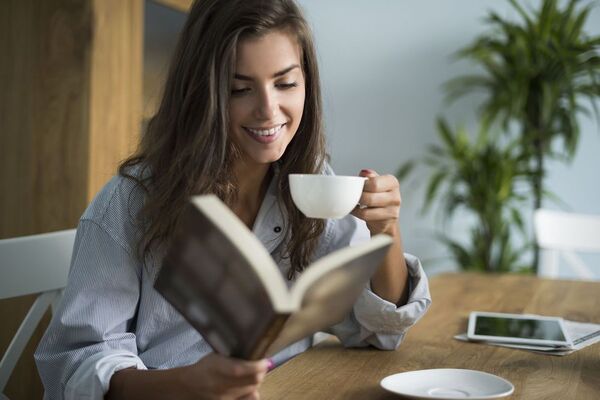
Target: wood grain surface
329	371
43	122
115	81
70	110
179	5
43	151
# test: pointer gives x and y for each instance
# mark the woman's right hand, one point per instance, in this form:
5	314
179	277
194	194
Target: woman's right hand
213	377
219	377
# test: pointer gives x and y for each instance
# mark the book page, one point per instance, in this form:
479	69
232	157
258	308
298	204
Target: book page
331	296
334	260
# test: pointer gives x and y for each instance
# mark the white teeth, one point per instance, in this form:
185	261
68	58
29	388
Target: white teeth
266	132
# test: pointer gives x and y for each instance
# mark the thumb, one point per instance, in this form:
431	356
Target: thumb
369	173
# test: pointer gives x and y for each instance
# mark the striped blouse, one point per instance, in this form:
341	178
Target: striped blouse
111	318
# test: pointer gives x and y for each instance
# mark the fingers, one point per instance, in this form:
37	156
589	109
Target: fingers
251	396
244	392
367	173
381	199
379	191
376	214
379	204
238	373
235	368
249	380
217	376
244	375
377	183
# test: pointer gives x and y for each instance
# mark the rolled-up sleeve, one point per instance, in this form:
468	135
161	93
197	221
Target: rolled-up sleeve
90	337
373	320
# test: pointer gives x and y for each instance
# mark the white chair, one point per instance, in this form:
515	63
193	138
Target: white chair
28	265
563	234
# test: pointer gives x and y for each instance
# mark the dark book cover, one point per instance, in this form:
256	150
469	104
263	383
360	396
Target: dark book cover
220	277
206	278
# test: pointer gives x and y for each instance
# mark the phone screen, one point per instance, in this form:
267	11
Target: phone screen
519	328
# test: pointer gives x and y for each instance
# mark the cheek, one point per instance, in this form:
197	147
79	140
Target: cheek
298	108
236	111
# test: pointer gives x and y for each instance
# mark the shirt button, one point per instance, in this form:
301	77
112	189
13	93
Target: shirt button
277	229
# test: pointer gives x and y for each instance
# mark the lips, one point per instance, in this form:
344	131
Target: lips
265	135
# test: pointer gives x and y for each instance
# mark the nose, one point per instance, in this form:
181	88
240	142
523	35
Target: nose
267	105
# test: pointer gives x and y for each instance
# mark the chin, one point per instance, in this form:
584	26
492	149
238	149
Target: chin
267	159
259	154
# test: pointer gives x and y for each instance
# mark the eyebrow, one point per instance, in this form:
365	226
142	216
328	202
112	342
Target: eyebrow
275	75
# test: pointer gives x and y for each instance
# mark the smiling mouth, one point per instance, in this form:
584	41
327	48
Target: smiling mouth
265	131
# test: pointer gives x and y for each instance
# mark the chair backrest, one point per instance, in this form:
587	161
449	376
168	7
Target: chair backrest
563	234
32	264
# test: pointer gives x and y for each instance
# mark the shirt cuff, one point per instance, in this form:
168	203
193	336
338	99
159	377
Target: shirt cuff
383	317
91	380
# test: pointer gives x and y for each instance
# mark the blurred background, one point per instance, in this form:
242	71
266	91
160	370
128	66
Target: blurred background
79	79
383	66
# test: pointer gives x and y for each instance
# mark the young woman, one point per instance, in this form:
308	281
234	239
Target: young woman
241	110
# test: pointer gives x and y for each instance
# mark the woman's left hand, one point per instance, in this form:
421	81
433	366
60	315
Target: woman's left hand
379	203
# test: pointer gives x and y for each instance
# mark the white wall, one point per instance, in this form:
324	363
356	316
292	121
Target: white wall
383	63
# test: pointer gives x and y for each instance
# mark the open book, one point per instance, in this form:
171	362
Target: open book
221	278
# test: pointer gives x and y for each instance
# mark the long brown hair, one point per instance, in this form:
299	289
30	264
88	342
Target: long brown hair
186	149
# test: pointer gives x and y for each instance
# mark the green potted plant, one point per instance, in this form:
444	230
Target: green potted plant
537	71
479	177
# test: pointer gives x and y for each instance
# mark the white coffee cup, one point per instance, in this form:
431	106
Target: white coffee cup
326	196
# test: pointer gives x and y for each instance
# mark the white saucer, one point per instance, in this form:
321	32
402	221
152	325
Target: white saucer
448	383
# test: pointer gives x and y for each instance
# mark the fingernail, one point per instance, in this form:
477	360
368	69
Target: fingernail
366	171
270	364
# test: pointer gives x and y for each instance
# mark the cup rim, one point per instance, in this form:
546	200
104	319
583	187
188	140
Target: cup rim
319	176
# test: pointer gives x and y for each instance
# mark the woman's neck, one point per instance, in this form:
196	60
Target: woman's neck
252	185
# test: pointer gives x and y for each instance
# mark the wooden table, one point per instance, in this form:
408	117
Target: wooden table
329	371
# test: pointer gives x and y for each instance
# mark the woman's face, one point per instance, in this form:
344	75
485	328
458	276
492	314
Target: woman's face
267	96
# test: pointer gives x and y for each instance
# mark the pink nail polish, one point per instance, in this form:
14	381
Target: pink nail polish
270	364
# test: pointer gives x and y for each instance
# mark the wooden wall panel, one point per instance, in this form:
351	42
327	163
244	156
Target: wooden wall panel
116	80
180	5
70	95
43	120
43	106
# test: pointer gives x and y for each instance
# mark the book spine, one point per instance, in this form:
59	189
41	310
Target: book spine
262	345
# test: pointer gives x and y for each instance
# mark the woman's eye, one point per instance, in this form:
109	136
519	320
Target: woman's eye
240	91
285	86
